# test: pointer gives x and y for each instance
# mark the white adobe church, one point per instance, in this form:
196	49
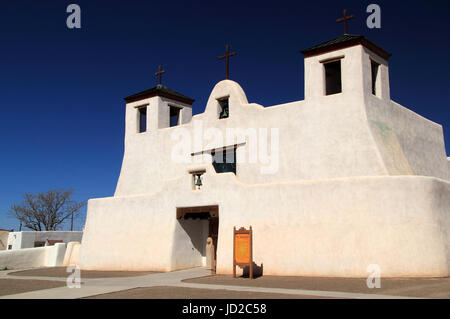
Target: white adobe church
358	179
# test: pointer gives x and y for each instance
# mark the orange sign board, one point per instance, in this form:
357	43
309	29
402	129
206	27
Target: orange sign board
242	248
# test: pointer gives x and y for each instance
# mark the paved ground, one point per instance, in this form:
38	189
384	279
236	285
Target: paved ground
17	286
412	287
170	292
97	286
61	272
198	283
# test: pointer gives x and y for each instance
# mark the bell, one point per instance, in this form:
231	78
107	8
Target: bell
225	112
198	183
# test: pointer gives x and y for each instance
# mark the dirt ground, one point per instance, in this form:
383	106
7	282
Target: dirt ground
408	287
61	272
17	286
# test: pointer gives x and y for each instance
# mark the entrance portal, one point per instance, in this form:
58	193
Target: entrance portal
200	223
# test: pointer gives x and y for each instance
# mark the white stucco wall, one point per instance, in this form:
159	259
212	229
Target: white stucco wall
15	240
448	165
148	156
189	243
410	144
296	231
325	136
54	255
3	239
71	256
23	258
49	256
360	180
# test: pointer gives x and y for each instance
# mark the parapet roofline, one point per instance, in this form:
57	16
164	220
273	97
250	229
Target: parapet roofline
159	90
345	41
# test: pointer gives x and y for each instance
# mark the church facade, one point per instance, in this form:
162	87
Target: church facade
345	179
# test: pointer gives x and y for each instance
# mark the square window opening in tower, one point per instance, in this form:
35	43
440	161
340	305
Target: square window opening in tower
333	80
142	119
375	76
174	116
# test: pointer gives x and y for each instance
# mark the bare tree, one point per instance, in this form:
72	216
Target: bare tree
46	211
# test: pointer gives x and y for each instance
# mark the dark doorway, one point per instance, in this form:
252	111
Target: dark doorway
203	213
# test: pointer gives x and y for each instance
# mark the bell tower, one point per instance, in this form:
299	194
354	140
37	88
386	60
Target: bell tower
349	65
156	108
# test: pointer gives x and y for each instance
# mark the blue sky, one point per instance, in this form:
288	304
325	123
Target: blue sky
62	108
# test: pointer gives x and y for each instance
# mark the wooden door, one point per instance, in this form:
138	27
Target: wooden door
214	234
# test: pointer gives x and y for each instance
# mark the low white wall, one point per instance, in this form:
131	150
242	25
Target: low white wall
49	256
54	255
24	258
26	239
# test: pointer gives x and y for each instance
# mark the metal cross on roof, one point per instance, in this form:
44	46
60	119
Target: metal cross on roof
345	19
159	74
226	57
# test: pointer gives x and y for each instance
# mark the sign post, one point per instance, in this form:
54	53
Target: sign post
243	249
